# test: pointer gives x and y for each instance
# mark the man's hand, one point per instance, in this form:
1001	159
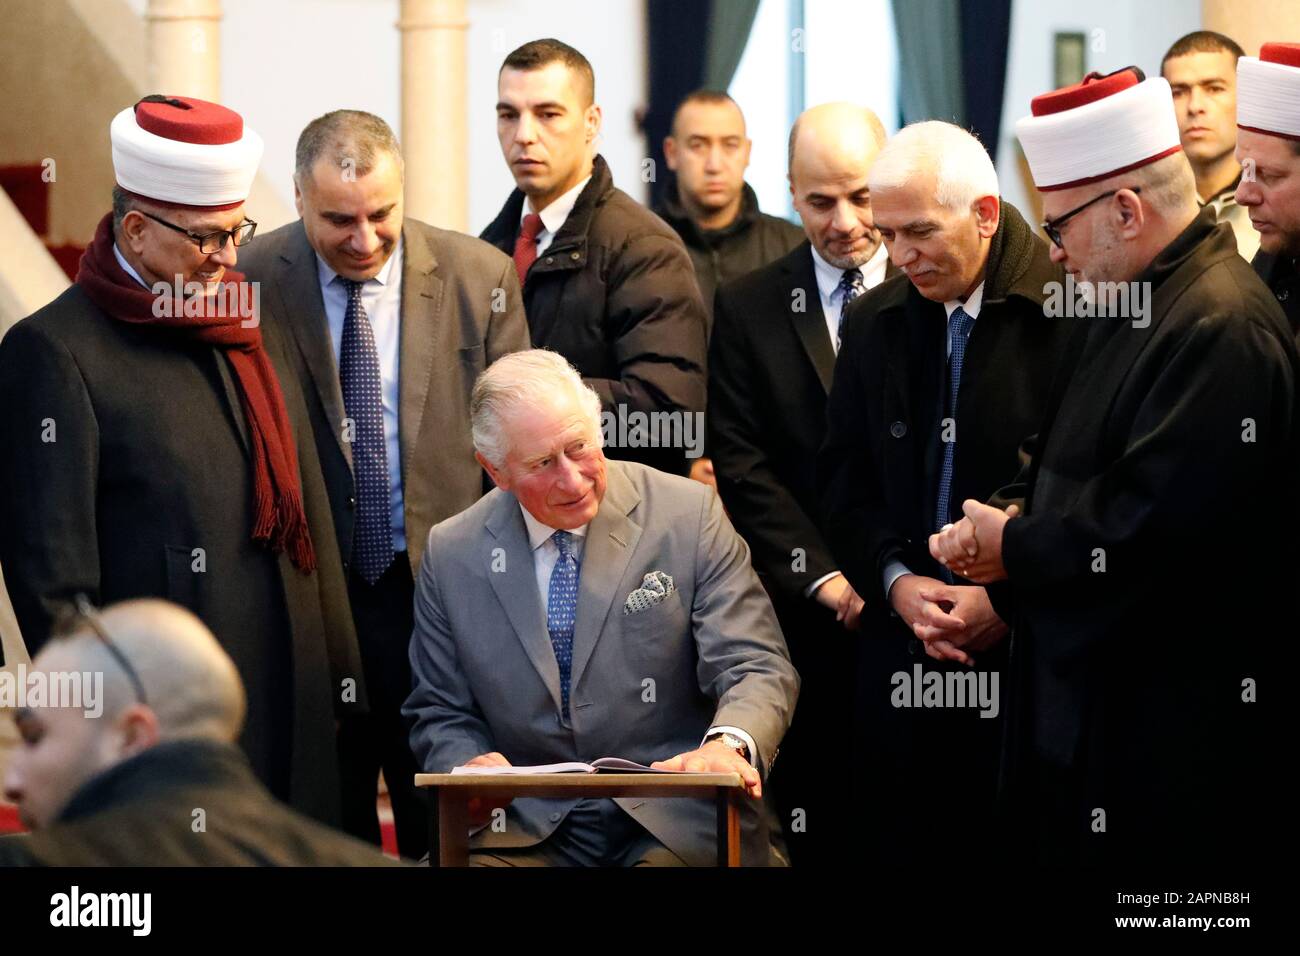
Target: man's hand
969	604
715	757
480	809
973	546
837	594
702	471
917	612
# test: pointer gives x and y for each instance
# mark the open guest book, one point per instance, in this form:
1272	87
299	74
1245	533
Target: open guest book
603	765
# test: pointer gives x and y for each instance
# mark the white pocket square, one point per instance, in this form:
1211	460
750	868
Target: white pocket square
655	586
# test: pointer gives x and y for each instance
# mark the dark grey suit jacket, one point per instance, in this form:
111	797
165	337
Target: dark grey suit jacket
645	686
461	311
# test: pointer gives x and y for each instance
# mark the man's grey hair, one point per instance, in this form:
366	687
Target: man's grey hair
1168	185
346	139
531	378
962	168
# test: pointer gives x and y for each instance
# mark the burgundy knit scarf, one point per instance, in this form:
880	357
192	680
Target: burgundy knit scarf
280	522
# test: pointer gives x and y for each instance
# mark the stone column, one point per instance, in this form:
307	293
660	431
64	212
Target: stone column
435	112
184	48
1252	22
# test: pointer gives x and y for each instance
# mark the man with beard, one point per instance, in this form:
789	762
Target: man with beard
944	372
770	362
1134	736
1268	145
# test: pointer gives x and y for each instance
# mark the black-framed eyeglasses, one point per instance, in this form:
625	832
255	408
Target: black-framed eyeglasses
1053	226
85	611
212	242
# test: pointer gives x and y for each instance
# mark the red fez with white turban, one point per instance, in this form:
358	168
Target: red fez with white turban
185	152
1098	128
1268	91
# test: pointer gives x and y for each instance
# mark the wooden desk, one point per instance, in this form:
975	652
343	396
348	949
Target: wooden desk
449	796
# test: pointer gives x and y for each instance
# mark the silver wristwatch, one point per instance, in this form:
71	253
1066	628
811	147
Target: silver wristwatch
732	741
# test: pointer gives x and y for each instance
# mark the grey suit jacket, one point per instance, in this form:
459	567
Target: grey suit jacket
461	311
645	686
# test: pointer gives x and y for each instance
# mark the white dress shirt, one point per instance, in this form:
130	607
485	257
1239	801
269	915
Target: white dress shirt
382	299
546	552
896	569
828	285
121	261
553	216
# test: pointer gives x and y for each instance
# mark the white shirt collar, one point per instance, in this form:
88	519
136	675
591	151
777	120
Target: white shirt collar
121	261
972	304
328	275
539	534
829	276
554	215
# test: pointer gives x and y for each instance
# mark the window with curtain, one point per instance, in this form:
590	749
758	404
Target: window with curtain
843	50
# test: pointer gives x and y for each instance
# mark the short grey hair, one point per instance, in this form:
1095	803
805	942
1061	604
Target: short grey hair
1168	184
962	168
530	378
343	136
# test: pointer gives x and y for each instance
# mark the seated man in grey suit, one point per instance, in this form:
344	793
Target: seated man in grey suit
589	608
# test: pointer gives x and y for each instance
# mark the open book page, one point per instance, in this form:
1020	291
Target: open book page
606	764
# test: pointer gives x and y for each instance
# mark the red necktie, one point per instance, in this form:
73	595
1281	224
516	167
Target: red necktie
526	244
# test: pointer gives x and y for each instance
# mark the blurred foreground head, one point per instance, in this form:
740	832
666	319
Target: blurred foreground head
116	683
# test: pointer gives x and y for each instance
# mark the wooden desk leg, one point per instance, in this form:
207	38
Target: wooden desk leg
435	850
452	828
728	827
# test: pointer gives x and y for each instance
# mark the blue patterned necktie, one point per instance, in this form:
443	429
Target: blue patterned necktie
959	326
561	609
852	286
372	539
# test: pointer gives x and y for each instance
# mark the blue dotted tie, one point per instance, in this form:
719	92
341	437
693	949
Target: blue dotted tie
561	609
959	326
372	539
851	286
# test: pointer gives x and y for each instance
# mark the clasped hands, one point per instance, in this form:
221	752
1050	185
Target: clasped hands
972	547
954	621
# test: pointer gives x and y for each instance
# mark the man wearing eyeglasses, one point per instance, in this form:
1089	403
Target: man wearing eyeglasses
155	445
1159	510
153	778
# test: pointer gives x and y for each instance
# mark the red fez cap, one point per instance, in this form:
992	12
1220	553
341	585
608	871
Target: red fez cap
189	120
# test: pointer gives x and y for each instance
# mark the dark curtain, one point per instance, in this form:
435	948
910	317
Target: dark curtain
692	44
985	36
929	60
729	29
